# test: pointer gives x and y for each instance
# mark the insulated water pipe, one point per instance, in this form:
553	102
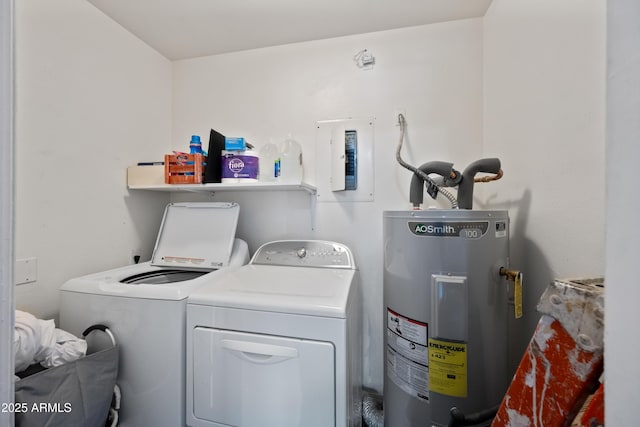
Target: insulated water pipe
465	189
444	169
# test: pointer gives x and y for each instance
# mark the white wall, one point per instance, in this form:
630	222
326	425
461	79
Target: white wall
91	100
622	342
544	93
434	72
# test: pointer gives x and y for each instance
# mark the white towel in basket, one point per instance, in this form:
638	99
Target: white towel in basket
39	341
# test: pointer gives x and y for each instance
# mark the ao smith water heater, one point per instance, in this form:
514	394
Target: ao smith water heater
446	303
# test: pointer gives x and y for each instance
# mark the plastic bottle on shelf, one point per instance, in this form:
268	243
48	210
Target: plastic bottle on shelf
290	161
269	162
195	145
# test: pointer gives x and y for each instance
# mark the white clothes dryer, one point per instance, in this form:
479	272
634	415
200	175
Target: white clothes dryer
277	343
144	305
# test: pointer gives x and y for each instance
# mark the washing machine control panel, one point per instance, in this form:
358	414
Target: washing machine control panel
304	253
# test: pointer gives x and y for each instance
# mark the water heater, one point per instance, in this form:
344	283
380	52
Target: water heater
446	310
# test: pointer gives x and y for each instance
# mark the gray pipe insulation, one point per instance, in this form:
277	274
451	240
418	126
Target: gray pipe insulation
444	169
465	189
465	181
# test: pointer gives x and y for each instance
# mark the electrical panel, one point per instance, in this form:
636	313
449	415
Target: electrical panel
344	160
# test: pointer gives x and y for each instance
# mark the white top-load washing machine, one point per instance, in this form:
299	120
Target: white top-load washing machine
277	343
145	307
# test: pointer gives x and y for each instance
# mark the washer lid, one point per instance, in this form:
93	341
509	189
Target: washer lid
196	235
307	291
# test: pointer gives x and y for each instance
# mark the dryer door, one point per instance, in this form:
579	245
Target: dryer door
243	379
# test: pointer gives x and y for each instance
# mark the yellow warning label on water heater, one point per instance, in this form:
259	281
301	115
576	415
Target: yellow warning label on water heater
448	367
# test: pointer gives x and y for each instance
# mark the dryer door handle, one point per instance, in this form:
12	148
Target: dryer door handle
258	352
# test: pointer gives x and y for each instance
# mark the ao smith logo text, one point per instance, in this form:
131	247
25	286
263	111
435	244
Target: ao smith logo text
467	230
435	229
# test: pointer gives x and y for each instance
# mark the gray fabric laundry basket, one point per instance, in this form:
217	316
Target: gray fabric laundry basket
76	394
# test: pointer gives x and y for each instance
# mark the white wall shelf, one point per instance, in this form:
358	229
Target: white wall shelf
212	188
230	187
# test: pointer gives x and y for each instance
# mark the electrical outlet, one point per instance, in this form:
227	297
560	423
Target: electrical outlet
397	112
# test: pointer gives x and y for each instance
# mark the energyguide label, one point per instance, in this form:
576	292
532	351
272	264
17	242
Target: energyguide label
448	363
